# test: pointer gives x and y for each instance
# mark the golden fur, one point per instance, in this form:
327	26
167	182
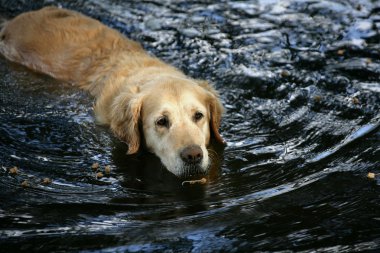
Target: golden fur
131	87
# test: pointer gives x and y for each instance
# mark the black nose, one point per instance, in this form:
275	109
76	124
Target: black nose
192	154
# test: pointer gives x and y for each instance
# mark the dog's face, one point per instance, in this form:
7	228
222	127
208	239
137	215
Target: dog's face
177	117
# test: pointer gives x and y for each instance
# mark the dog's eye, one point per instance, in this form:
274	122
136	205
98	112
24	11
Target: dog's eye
163	122
198	116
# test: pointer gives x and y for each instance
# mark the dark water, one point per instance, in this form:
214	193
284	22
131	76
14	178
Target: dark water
301	84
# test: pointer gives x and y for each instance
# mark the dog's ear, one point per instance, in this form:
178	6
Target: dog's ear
125	117
216	109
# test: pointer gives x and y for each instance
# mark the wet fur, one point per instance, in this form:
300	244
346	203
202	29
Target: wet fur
117	71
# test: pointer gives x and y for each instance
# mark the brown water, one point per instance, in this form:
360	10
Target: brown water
301	84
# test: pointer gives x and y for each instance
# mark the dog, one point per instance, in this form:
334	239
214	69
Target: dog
143	100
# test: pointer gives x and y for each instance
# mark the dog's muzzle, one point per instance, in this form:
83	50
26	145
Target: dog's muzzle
192	158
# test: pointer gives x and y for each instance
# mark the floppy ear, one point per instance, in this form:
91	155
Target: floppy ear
125	117
216	110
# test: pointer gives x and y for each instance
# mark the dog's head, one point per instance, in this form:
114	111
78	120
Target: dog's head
177	117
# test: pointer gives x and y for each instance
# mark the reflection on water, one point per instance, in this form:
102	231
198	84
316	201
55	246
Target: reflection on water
300	83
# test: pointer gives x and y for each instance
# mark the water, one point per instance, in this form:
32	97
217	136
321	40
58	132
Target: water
300	83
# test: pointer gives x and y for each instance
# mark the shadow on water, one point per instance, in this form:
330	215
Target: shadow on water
300	84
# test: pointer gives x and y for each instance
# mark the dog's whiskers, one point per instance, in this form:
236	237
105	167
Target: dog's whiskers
213	155
211	151
192	170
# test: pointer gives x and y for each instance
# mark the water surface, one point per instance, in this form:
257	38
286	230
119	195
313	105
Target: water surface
300	81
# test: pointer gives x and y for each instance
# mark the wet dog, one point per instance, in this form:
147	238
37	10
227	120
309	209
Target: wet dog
136	94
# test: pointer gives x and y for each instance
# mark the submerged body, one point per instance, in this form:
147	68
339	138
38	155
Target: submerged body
136	94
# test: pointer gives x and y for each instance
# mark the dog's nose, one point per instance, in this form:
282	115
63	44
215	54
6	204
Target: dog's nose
192	154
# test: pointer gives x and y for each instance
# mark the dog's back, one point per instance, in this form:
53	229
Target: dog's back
64	44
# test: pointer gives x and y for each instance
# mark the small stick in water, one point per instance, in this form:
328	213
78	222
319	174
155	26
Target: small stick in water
371	175
107	169
99	175
95	166
199	181
46	181
25	184
13	170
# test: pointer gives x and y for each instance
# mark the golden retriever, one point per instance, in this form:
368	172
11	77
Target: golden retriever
134	91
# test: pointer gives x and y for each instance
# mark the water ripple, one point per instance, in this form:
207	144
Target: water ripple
300	84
